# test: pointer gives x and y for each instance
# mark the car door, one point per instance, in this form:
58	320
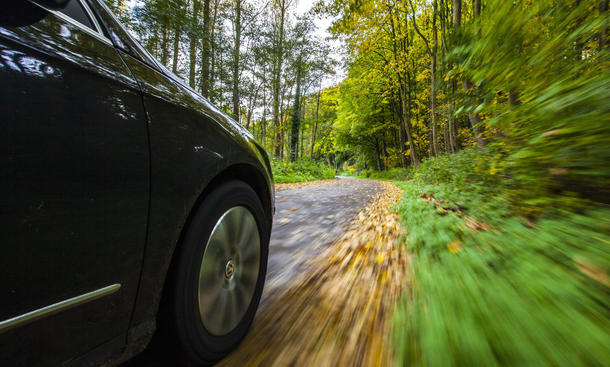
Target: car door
74	188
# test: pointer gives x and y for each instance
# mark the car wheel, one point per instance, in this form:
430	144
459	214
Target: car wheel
217	279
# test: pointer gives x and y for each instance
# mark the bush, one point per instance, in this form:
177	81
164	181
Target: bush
298	171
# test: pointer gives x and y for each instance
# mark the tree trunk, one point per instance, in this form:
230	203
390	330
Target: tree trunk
212	78
264	118
296	119
404	105
432	53
315	125
457	13
193	43
164	42
176	48
401	137
302	132
435	150
236	55
451	120
205	51
251	102
277	72
377	155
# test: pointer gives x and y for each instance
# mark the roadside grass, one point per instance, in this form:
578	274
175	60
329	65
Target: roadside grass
300	171
489	286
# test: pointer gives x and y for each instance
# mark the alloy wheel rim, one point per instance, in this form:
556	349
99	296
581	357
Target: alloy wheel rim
229	271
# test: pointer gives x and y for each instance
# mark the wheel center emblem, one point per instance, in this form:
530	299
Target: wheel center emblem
229	269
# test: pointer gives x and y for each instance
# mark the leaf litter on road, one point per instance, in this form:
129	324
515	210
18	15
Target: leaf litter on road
339	311
294	185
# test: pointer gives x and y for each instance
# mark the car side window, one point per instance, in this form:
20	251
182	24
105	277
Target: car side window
74	9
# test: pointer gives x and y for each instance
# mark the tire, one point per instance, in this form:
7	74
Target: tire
193	318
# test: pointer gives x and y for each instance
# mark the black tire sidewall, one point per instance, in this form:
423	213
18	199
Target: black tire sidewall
196	345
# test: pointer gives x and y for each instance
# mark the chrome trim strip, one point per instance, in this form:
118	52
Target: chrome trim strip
80	26
77	24
92	17
29	317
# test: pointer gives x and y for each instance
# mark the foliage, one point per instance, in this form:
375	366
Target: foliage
490	287
391	174
549	61
531	76
300	170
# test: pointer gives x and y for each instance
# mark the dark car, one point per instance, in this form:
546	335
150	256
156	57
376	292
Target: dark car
132	209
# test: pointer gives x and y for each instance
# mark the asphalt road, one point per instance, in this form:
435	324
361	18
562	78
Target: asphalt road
308	218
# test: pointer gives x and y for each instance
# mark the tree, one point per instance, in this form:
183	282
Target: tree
236	56
280	7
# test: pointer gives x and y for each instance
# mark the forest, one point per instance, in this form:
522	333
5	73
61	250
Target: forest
527	80
493	116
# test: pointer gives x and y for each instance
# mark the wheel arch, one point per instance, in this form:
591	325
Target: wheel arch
240	171
140	333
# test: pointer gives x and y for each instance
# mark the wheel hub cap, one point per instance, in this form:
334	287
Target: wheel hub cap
229	271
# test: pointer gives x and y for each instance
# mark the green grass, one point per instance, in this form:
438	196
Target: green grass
522	292
299	171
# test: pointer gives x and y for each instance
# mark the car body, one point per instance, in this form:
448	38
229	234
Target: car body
106	156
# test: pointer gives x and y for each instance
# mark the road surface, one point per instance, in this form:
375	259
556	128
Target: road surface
308	218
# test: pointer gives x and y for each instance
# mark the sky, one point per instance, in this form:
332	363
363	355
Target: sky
323	23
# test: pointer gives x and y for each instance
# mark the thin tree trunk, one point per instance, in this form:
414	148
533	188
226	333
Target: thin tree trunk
264	119
457	14
205	50
432	53
236	55
315	125
377	155
451	120
176	48
164	42
193	43
302	131
406	118
401	141
212	78
433	81
251	106
277	71
296	118
404	105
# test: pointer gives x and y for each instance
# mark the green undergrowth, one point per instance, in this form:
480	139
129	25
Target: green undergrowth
391	174
299	171
488	286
